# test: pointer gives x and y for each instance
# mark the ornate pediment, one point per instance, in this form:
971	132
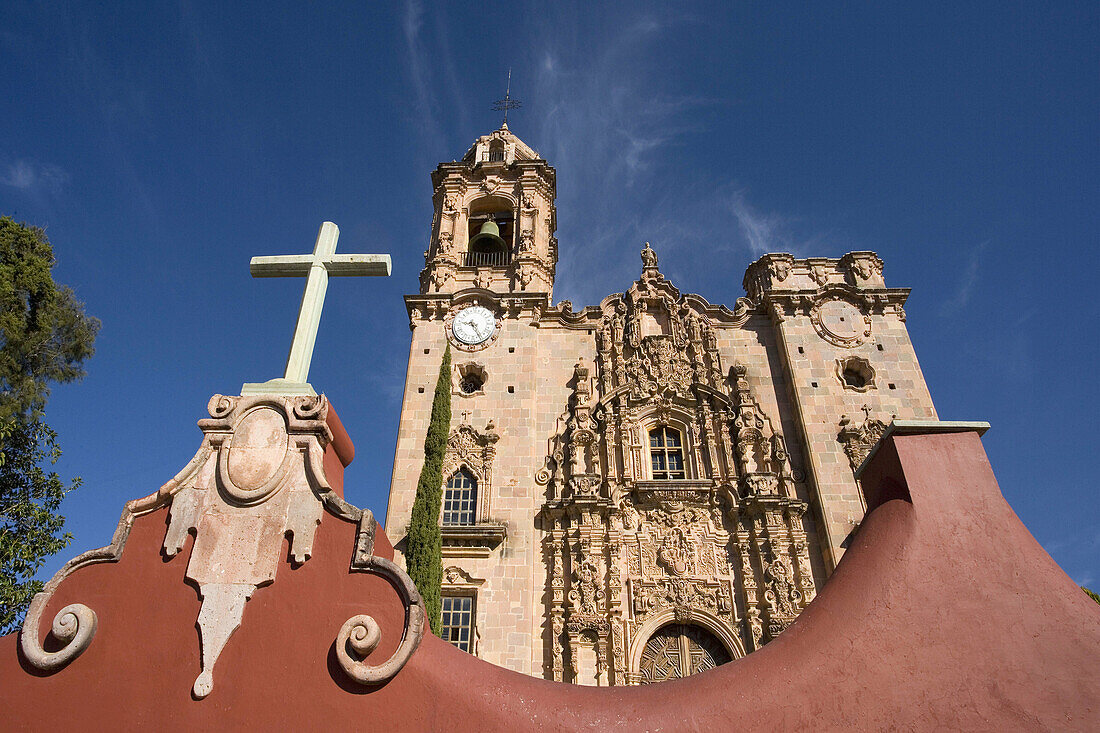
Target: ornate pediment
473	449
652	339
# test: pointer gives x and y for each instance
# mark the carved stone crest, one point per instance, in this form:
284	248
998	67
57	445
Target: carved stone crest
859	439
473	449
676	552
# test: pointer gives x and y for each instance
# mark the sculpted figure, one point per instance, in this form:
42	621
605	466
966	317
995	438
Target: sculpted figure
618	323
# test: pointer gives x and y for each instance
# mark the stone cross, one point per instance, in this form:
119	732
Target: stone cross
316	268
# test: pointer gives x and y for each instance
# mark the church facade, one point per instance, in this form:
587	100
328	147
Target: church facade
648	487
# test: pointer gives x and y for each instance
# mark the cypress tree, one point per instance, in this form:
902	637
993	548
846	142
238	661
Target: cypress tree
424	555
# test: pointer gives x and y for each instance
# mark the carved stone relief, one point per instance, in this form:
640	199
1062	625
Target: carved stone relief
706	545
840	323
859	439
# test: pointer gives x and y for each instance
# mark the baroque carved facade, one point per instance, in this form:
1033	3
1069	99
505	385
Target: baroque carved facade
663	483
721	544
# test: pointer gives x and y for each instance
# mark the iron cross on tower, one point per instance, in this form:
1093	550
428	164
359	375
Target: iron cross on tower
503	105
316	268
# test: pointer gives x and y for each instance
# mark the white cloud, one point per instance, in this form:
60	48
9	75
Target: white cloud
967	282
28	175
763	232
420	67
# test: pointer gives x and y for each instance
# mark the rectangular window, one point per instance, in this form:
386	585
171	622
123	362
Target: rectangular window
458	621
666	454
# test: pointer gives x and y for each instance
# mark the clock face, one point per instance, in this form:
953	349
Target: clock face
473	325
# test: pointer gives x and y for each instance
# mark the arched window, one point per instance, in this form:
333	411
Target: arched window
460	498
666	453
491	232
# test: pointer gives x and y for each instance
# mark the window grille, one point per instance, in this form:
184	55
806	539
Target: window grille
666	453
460	499
458	621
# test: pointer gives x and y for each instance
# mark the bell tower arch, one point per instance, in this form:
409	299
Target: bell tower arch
494	220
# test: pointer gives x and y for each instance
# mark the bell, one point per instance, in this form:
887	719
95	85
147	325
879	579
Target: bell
487	238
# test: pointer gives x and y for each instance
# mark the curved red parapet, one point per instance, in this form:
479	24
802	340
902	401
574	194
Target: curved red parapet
944	614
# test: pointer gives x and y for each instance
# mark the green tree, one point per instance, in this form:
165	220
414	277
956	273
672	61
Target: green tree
1091	594
30	525
45	337
424	554
44	334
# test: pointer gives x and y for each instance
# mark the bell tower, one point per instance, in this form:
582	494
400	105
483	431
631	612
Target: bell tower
485	292
494	221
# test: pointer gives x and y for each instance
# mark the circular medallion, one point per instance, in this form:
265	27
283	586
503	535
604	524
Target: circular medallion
841	323
473	325
254	463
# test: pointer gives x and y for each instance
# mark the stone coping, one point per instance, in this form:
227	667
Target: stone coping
922	427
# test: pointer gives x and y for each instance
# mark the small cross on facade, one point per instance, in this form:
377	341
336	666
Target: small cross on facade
316	268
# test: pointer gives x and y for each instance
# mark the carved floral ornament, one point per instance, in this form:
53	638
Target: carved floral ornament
456	577
257	477
863	267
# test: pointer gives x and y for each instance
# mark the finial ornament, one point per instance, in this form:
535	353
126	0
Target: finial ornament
503	105
649	257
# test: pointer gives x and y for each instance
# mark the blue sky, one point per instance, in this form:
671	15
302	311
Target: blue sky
163	145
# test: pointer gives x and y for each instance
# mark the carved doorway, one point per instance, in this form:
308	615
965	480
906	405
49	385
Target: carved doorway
678	650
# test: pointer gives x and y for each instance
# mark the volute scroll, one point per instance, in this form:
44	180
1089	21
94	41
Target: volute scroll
360	634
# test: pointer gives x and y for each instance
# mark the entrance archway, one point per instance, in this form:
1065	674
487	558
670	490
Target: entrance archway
679	650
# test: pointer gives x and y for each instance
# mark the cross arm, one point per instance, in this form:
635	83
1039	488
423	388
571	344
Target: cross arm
338	265
281	266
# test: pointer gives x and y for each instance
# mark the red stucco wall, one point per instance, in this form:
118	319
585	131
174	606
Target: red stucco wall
944	613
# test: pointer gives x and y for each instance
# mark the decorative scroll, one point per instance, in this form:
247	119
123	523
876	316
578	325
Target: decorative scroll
76	624
359	636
